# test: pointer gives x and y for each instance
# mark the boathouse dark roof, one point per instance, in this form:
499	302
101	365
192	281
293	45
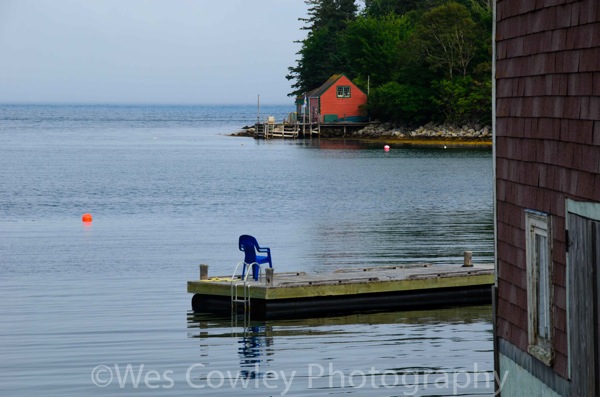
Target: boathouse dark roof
317	92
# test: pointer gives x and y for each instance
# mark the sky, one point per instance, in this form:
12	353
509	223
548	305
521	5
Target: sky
148	51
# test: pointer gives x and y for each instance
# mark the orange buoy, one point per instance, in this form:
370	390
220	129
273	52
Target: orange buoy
86	218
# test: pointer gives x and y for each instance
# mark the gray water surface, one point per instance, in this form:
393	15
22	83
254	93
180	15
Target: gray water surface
101	309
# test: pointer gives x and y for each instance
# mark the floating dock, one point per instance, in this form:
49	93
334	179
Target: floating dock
298	294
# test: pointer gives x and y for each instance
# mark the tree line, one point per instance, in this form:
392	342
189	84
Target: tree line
420	60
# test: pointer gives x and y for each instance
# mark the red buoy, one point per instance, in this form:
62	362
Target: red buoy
86	218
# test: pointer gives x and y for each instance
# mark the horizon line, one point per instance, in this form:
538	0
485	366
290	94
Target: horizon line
91	103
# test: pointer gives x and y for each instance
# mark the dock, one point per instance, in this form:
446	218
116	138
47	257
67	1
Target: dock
292	128
352	290
270	130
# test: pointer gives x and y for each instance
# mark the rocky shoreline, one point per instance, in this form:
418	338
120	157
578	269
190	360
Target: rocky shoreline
387	131
428	131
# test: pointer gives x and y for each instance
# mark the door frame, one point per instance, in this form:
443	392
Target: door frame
586	209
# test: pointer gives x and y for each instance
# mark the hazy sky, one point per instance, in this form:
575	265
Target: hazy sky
148	51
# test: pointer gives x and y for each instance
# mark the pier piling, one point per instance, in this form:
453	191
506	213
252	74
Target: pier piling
203	272
468	262
269	276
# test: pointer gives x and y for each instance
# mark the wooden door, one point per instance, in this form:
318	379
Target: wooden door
583	275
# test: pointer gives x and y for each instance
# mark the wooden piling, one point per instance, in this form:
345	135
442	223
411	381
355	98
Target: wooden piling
468	261
269	276
203	272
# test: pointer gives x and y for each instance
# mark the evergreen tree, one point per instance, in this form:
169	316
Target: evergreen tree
374	46
321	54
380	8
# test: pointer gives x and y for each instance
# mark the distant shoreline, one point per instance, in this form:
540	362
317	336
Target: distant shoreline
427	135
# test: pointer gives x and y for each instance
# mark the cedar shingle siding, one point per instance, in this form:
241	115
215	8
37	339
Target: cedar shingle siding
547	142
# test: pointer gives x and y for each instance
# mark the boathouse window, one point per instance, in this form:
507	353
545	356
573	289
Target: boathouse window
343	91
539	285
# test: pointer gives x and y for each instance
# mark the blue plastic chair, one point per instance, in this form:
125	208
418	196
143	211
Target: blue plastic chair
250	246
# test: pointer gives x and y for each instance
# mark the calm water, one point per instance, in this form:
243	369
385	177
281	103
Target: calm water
102	309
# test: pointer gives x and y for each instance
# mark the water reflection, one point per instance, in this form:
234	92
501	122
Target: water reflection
254	348
414	349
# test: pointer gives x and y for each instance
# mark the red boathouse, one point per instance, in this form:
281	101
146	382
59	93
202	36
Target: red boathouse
338	99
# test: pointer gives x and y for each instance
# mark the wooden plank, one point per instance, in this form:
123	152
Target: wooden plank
581	307
352	282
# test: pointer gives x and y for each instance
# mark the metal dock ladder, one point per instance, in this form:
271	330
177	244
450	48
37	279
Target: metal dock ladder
236	283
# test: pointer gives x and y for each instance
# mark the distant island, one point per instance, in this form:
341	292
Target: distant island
419	61
431	133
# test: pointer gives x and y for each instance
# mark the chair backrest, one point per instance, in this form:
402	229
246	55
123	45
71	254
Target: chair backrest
248	244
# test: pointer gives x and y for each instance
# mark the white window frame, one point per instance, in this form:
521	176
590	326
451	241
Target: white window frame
540	292
343	91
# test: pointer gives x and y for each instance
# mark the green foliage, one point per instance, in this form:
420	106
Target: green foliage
463	99
322	52
400	103
446	38
314	66
425	60
374	47
381	8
